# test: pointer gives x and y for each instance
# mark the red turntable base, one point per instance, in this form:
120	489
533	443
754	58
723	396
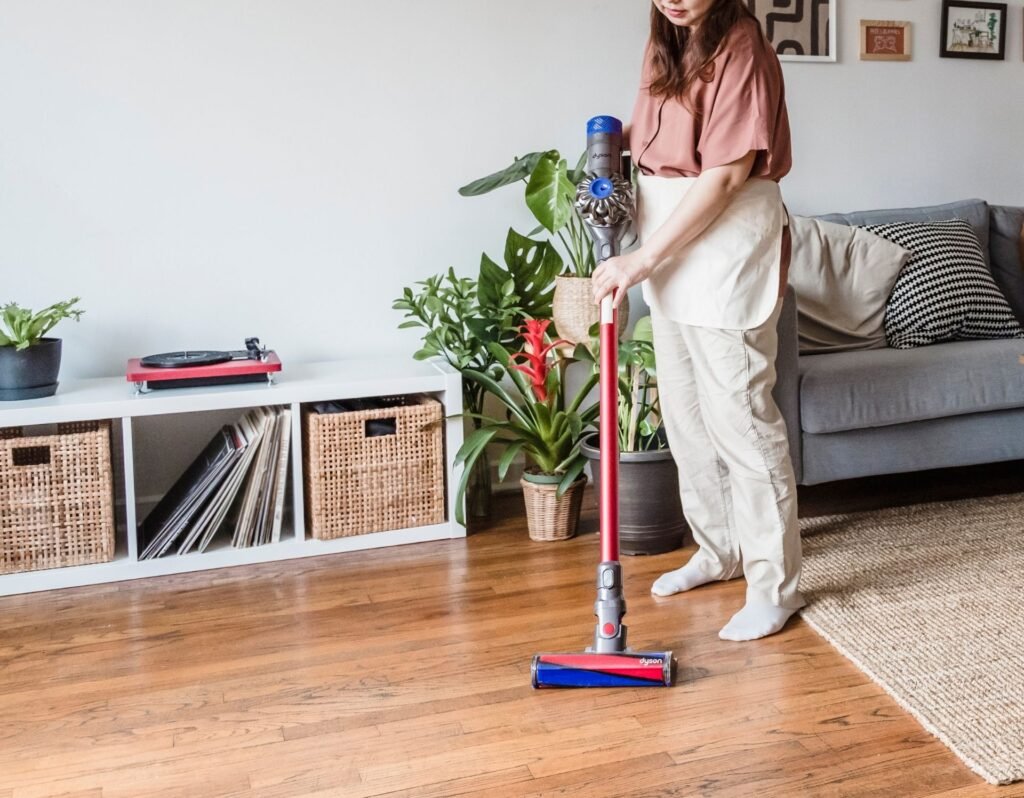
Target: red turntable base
229	372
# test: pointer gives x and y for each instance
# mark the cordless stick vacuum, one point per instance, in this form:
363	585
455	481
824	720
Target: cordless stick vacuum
605	202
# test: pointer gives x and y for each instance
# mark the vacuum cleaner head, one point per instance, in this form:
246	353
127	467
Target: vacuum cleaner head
630	669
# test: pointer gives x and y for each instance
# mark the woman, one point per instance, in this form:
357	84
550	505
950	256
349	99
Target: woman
710	136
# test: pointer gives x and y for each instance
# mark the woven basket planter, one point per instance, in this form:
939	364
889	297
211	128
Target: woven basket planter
548	515
56	497
574	311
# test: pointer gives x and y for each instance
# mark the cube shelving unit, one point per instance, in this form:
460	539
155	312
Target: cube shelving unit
117	400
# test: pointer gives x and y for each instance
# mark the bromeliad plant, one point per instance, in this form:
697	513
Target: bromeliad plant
22	328
550	196
542	421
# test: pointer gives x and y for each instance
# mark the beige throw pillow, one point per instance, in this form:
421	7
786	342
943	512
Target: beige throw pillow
843	277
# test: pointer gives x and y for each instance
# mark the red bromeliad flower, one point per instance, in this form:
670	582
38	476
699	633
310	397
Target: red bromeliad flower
536	353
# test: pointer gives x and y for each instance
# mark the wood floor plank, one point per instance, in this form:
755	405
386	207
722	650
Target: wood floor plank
404	673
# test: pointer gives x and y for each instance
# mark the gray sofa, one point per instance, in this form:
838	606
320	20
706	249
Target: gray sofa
887	411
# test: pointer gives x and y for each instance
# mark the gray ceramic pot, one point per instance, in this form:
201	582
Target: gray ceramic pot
650	514
30	373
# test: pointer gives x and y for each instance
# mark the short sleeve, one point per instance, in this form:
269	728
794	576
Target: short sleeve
745	104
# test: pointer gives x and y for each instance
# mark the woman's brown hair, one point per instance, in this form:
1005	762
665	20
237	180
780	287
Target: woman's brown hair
681	56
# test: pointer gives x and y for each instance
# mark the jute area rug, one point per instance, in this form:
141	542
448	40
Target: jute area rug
929	602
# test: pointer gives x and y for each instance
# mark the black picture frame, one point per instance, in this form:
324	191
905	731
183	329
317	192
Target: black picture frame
946	52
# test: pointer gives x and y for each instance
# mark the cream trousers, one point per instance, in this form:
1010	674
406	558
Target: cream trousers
729	441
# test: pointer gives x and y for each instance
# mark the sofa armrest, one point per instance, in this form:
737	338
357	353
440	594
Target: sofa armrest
787	381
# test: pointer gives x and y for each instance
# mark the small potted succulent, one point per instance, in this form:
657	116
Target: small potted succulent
542	423
551	197
30	362
650	511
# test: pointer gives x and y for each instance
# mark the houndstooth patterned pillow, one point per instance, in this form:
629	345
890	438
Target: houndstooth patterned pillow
945	292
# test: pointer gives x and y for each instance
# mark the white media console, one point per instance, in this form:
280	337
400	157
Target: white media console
117	400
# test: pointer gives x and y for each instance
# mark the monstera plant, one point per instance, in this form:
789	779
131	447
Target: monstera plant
550	194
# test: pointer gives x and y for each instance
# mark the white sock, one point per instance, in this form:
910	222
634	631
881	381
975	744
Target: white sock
685	578
756	619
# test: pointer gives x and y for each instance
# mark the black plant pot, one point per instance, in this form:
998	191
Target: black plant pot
30	373
650	514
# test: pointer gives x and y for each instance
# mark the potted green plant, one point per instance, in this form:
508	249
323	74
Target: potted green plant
544	424
30	362
461	318
650	512
550	196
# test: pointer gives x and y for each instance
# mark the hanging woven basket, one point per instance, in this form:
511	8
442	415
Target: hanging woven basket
548	515
574	311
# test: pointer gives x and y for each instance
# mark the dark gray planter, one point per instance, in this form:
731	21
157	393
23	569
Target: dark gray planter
650	514
30	373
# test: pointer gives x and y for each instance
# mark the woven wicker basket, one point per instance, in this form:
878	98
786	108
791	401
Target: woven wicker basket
550	516
375	469
574	311
56	498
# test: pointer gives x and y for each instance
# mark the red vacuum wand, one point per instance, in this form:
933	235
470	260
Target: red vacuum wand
609	498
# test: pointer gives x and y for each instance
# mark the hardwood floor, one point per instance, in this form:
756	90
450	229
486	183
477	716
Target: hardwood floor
405	673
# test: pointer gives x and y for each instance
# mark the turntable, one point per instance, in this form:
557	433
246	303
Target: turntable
203	367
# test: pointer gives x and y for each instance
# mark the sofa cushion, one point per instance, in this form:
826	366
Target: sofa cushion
945	292
854	390
843	277
1007	245
972	211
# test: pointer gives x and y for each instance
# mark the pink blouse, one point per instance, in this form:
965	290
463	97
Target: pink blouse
744	109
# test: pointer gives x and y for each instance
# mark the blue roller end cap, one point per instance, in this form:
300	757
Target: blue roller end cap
602	188
604	124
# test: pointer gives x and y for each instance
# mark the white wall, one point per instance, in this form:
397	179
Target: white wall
203	170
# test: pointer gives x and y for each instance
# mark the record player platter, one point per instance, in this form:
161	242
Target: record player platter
177	360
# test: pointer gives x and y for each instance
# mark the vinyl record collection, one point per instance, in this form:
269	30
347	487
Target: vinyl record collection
237	482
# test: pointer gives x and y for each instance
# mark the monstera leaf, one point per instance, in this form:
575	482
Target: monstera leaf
550	193
520	169
531	266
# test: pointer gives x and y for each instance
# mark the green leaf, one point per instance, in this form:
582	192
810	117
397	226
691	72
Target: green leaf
476	440
520	169
643	330
549	194
533	266
24	328
502	395
469	452
577	174
571	475
492	278
582	353
506	459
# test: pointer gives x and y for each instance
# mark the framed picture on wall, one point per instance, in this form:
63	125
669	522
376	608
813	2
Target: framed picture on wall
799	30
973	30
884	40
